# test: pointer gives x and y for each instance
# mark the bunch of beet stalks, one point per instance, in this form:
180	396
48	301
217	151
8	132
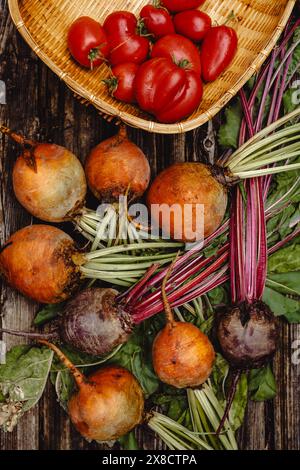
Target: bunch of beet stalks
96	320
248	331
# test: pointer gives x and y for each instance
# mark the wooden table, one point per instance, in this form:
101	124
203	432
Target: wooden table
41	106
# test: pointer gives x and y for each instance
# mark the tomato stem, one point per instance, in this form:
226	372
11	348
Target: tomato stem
112	84
94	54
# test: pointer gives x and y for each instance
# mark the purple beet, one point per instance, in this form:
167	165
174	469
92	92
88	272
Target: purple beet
92	322
247	334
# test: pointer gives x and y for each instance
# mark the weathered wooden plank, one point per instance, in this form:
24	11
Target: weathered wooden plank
16	311
42	107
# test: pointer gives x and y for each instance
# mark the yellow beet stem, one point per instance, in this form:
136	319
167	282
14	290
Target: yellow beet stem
122	131
18	138
78	376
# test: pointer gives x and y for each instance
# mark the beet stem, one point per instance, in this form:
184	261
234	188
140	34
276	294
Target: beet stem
283	242
132	294
27	334
78	376
230	399
18	138
168	311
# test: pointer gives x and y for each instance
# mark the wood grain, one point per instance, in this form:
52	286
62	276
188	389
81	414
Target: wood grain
39	105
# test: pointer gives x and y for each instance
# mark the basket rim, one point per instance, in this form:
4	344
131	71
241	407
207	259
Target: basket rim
134	121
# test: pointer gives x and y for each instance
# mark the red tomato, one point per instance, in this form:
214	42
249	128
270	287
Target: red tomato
87	42
166	90
121	85
218	50
179	49
157	21
181	5
126	45
193	24
185	102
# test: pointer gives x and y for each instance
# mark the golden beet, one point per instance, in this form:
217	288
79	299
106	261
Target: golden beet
115	166
39	261
182	355
108	405
188	184
55	190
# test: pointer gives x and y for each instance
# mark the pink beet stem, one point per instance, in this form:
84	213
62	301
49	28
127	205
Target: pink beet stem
157	306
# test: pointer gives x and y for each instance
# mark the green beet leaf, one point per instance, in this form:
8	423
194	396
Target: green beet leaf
229	131
285	260
22	382
262	384
48	313
129	442
285	283
282	305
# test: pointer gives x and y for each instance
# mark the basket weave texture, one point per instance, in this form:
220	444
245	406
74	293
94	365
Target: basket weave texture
44	25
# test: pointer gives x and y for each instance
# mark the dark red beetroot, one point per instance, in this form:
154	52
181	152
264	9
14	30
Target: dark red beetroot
248	335
107	404
94	323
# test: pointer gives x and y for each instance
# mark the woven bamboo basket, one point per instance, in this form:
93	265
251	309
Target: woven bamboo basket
44	25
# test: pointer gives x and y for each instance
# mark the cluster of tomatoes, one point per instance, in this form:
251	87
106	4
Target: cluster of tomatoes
160	60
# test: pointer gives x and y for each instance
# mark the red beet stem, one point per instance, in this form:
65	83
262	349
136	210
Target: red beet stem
261	269
140	313
248	236
132	294
283	242
217	278
28	334
230	399
184	259
182	276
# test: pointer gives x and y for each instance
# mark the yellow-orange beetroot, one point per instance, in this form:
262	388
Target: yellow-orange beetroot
48	180
107	405
115	166
53	191
188	184
41	262
182	355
